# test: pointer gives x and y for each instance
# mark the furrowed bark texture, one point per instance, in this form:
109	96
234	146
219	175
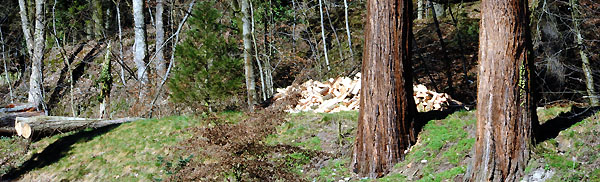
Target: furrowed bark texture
505	112
385	127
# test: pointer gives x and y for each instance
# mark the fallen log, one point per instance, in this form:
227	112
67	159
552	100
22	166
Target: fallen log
8	120
18	108
42	126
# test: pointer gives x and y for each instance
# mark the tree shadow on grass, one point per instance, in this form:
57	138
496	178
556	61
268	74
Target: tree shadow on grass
551	128
55	152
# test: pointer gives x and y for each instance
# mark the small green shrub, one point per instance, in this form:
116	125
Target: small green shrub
209	72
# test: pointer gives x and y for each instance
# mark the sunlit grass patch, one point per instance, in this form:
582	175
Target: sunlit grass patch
128	152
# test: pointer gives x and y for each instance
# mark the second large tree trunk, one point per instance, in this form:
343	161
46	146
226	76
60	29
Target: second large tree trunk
505	112
387	109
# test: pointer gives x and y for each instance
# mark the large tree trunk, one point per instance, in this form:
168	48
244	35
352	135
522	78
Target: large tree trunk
385	125
587	72
249	71
98	19
160	39
26	27
35	81
505	111
139	47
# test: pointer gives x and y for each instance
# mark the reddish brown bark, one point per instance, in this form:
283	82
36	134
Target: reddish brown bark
505	111
387	107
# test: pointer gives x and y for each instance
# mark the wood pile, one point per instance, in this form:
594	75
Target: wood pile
343	94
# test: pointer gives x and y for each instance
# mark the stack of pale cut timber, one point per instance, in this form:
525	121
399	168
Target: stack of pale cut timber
343	94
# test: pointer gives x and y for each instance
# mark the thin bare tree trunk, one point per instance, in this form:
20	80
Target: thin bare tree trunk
260	68
505	110
587	71
323	35
248	70
420	9
35	81
98	19
447	61
160	39
172	60
117	5
12	99
348	30
387	109
105	84
337	40
139	47
26	27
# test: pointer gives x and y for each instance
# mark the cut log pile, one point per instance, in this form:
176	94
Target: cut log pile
343	94
26	122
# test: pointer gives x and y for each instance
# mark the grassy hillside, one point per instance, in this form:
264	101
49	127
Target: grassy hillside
136	151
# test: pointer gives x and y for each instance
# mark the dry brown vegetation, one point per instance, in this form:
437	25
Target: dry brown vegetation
235	150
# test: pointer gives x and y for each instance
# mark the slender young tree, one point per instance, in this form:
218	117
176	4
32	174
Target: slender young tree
505	109
323	35
249	71
26	27
36	96
97	13
387	109
117	5
420	9
139	46
8	82
587	71
258	62
160	39
348	30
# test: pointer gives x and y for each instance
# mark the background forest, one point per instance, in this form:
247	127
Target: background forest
184	64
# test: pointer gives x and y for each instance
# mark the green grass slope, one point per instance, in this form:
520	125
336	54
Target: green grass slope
135	151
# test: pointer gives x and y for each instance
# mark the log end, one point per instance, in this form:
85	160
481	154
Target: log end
18	127
25	130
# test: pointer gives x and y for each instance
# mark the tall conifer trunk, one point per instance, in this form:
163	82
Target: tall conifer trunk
505	109
387	109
